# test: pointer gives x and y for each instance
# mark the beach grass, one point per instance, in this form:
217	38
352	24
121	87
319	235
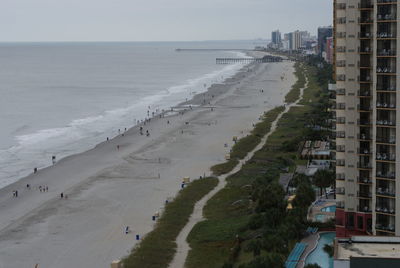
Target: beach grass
294	93
224	167
214	242
248	143
157	249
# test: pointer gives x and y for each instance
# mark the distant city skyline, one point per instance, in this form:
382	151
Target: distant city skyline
157	20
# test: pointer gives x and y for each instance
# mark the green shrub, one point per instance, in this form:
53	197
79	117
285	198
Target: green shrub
158	247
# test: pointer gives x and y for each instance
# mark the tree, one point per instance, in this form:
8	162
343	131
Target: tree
329	250
255	247
305	195
323	178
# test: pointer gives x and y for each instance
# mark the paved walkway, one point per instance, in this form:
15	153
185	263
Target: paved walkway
311	241
183	247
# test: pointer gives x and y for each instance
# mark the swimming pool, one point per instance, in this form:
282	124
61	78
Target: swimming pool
319	256
320	217
329	209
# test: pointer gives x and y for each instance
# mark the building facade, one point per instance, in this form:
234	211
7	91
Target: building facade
295	40
276	38
323	34
365	57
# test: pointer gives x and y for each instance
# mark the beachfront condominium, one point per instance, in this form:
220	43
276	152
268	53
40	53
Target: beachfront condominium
276	39
367	129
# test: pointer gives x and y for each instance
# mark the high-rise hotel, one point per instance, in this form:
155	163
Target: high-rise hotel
367	117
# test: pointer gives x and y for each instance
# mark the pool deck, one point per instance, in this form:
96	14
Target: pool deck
312	242
316	207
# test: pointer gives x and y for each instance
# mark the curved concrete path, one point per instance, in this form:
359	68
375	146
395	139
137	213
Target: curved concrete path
197	215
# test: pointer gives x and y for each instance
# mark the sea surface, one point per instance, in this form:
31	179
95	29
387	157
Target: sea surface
64	98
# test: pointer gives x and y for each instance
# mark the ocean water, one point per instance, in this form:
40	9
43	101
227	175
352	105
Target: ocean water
64	98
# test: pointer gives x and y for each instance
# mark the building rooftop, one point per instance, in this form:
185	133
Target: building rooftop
367	247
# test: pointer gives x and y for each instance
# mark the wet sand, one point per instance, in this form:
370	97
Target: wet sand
109	189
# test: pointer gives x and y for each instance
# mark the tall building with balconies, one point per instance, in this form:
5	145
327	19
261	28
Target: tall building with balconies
366	64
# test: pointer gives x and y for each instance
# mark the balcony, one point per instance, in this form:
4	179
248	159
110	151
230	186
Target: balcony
386	2
385	210
364	166
364	108
364	151
386	157
384	105
364	209
365	20
385	87
364	195
387	140
385	35
385	123
386	175
364	35
364	50
385	192
385	70
364	137
365	5
386	53
364	93
385	228
364	79
364	122
364	180
386	17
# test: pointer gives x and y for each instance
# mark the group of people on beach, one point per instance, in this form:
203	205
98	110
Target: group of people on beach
43	189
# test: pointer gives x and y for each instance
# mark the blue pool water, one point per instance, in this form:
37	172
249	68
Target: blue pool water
319	256
320	217
329	209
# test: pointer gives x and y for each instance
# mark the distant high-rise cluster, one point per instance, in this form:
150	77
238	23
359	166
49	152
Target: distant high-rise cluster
303	41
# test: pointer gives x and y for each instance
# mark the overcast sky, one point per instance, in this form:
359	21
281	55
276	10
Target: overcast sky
157	20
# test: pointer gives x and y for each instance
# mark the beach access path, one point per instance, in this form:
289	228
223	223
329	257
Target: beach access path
109	189
183	247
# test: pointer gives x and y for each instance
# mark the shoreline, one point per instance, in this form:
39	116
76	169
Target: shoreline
107	187
65	149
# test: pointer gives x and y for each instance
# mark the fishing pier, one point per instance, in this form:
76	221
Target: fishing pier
265	59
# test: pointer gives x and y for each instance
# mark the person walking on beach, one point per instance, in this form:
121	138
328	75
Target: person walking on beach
62	195
117	147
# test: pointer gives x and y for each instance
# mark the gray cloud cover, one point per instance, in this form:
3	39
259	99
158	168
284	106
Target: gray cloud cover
156	20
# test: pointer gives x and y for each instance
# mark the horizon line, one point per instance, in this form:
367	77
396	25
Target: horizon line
141	41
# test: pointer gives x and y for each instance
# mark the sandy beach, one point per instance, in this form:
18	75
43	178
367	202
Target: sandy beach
110	188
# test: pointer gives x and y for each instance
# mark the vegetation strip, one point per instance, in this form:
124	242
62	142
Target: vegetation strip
259	231
158	247
294	93
248	143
